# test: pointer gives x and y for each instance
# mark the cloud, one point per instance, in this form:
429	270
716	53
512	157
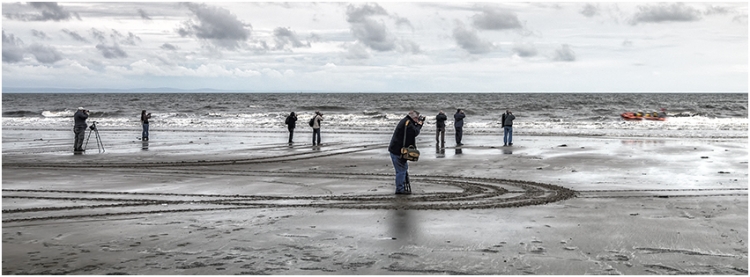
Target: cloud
496	19
12	49
565	54
711	10
285	36
627	43
469	40
665	13
74	35
407	46
742	19
39	34
111	52
45	54
400	21
216	25
47	11
143	14
525	50
590	10
368	31
130	39
98	35
357	52
168	46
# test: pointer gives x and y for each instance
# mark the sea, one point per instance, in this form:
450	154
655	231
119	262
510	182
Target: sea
689	115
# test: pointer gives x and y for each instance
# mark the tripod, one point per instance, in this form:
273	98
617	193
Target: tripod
99	143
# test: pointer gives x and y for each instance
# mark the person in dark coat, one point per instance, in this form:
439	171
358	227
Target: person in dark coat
291	123
410	125
440	119
459	125
507	119
79	128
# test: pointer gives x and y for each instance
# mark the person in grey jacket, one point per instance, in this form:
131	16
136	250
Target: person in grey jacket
440	119
507	120
316	127
79	129
459	125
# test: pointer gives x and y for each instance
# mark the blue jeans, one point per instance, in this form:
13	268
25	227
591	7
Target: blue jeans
508	136
145	131
316	132
402	168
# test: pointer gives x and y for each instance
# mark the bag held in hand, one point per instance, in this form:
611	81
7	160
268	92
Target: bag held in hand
410	153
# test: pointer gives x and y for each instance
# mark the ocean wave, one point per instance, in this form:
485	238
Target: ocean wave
21	114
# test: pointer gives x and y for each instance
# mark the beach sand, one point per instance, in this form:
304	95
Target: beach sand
222	203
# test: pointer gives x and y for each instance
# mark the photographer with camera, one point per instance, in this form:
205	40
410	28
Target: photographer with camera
404	135
459	125
79	129
144	120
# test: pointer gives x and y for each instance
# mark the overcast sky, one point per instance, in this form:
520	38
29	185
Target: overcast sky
378	47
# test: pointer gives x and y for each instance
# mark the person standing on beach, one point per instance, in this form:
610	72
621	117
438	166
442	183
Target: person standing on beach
144	121
406	133
459	125
440	119
316	127
507	120
79	128
291	123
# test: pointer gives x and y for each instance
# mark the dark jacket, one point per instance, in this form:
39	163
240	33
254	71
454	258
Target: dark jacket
80	119
291	121
397	141
440	120
459	117
502	119
508	120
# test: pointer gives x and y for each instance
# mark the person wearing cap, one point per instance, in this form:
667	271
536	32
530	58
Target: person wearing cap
79	129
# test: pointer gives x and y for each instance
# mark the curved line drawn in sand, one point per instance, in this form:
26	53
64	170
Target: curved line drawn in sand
472	193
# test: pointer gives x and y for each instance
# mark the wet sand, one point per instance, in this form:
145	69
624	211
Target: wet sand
222	203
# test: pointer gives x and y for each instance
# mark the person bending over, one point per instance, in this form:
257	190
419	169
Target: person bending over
405	134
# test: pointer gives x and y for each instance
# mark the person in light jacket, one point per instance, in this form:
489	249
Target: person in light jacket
316	127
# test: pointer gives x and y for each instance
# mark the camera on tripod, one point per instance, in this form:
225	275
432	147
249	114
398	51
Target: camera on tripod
93	126
99	143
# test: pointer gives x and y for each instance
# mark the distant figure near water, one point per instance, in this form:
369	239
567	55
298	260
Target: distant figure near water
291	123
507	120
144	121
459	125
315	124
440	119
79	129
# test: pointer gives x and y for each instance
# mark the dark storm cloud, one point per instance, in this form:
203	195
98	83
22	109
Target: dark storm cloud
590	10
495	19
111	52
74	35
665	13
168	46
47	11
39	34
565	54
525	50
44	53
469	40
216	25
12	49
285	36
368	31
143	14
